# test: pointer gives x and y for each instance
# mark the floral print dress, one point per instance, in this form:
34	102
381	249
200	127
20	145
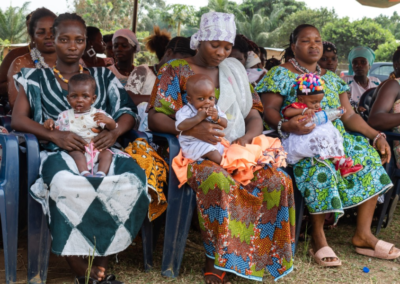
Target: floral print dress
323	188
248	230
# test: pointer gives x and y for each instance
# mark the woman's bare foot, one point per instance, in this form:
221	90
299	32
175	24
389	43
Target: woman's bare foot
210	279
318	239
79	266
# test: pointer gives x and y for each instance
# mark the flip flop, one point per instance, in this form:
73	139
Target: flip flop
381	251
220	277
325	252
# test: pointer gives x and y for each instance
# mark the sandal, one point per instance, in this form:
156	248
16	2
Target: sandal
382	251
325	252
109	279
220	277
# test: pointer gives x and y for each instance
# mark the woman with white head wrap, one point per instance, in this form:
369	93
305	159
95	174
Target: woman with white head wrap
125	45
241	225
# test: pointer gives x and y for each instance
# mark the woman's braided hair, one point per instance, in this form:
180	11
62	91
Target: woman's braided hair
396	55
36	16
157	41
241	44
67	17
181	45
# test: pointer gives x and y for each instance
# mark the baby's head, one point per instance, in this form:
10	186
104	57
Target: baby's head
81	92
310	90
200	91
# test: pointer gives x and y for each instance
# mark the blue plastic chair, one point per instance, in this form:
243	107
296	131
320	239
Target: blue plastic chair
39	239
9	198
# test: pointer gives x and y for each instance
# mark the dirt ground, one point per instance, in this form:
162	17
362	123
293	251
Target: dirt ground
128	266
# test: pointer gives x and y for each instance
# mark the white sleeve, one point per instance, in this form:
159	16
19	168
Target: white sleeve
184	113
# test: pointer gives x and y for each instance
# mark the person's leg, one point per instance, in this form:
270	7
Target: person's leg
363	236
79	266
80	160
210	279
213	156
318	234
105	159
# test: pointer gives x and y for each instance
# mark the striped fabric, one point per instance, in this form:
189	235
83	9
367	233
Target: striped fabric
86	214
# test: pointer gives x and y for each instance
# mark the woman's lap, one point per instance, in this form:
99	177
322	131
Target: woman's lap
325	190
243	225
105	213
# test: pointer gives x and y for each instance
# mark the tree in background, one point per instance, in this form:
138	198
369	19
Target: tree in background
392	23
319	18
223	6
346	35
178	14
12	24
385	51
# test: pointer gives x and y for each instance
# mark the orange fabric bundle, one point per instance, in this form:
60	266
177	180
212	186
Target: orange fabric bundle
240	161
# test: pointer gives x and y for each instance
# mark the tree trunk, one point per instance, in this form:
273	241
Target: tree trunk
179	29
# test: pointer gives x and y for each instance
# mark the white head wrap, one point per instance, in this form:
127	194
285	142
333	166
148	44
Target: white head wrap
130	37
252	59
215	26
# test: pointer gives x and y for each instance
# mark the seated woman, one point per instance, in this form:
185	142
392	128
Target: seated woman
385	112
329	59
42	55
88	214
228	211
95	45
360	59
324	190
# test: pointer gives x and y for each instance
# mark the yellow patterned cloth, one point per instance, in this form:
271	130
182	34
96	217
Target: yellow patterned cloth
156	171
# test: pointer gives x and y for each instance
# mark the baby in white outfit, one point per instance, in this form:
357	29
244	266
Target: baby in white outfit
85	120
201	106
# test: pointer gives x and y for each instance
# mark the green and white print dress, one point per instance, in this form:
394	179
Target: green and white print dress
323	188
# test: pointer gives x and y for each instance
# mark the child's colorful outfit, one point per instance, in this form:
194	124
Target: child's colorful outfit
82	124
324	142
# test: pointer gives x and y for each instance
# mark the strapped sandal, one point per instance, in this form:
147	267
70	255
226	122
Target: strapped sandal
222	277
325	252
382	251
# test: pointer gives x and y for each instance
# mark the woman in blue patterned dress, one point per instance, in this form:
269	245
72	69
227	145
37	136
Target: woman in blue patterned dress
321	185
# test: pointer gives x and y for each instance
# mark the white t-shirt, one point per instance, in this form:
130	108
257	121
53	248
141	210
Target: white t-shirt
356	90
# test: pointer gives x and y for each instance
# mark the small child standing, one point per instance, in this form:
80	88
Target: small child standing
325	140
85	120
201	106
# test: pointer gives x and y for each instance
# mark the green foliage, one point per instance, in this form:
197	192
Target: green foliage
177	14
385	51
347	35
319	18
3	44
390	23
12	23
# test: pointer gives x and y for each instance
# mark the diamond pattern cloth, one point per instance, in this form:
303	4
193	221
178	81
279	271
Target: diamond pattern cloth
86	214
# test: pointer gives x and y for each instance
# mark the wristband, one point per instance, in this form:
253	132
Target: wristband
380	134
217	120
280	133
304	111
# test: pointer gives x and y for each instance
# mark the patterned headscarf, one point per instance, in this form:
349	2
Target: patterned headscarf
130	36
361	51
215	26
252	59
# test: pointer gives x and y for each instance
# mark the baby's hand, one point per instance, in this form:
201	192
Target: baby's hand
202	112
309	112
212	111
343	109
49	124
101	118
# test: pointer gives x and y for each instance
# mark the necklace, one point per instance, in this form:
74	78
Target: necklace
37	59
302	69
61	77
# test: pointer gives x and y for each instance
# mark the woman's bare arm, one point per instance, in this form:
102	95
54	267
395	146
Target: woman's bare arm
380	116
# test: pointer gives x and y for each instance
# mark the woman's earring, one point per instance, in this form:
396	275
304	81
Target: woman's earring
91	52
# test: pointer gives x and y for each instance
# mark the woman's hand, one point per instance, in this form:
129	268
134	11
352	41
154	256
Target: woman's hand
243	140
383	149
105	139
297	125
207	132
68	141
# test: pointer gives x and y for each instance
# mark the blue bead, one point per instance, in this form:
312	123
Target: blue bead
366	269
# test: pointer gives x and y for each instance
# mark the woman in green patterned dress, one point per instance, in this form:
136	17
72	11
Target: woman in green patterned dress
321	185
